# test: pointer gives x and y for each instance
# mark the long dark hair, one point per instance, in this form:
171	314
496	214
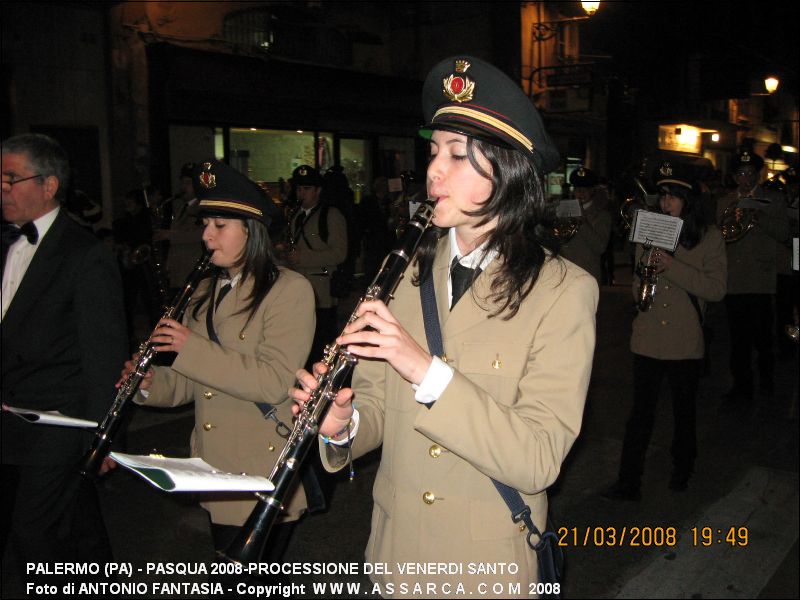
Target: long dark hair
695	223
257	262
517	200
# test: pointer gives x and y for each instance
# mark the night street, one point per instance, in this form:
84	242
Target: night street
747	477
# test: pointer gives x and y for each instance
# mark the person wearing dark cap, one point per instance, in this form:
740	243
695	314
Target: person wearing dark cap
667	340
243	336
505	398
752	256
586	247
183	230
319	242
786	301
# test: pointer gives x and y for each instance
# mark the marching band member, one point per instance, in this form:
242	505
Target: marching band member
667	340
752	280
586	247
506	400
243	337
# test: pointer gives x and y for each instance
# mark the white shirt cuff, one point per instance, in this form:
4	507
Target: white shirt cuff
434	383
353	431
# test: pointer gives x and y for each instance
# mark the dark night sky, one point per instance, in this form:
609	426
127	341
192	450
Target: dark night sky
738	39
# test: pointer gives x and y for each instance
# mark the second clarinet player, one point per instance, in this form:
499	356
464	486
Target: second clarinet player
244	335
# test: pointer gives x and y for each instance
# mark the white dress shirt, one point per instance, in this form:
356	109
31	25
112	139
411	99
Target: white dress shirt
20	255
439	374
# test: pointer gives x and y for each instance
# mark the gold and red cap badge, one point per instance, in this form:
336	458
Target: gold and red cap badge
467	95
224	192
674	174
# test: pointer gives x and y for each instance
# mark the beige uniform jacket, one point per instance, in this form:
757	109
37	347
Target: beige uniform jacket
586	247
255	363
752	260
512	412
671	329
317	259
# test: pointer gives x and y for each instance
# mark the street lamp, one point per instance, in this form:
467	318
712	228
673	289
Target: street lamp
771	84
545	30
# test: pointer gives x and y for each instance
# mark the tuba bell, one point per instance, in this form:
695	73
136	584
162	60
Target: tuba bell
638	200
736	222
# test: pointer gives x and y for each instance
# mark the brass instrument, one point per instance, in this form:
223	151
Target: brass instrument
564	229
736	222
248	545
638	201
560	228
104	434
646	270
286	243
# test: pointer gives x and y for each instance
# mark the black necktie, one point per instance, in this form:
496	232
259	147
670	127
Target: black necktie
461	278
222	292
11	233
299	224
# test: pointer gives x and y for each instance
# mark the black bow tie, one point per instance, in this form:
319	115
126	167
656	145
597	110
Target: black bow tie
11	233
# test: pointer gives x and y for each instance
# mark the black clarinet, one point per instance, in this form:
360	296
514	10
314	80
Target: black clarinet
104	434
249	543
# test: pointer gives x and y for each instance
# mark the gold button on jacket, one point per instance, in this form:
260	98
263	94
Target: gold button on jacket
230	431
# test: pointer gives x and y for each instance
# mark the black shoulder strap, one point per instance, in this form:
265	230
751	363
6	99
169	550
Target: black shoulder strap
549	554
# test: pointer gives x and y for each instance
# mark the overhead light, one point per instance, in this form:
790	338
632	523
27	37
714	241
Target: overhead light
253	129
714	137
771	83
299	131
590	7
789	149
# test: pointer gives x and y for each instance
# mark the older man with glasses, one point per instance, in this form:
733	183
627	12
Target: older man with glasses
63	339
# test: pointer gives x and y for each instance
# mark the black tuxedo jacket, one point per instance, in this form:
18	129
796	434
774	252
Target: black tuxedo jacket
63	344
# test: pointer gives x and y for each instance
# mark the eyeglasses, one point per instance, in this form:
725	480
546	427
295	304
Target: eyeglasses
12	182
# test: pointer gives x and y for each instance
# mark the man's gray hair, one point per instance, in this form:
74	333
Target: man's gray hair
45	155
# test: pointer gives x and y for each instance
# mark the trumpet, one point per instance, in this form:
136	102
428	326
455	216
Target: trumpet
248	545
104	434
737	222
646	270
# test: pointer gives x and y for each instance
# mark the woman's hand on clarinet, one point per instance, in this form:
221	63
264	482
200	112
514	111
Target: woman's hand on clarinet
169	335
340	411
663	261
130	367
377	334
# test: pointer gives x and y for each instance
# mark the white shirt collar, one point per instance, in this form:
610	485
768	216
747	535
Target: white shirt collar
44	223
473	259
233	282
